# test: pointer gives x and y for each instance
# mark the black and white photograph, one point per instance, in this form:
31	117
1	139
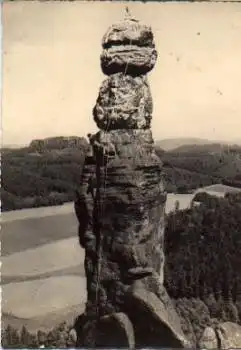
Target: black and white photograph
121	175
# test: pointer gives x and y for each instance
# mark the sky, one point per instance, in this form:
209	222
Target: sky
52	74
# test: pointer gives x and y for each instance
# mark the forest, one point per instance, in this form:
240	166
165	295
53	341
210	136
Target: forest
202	264
48	172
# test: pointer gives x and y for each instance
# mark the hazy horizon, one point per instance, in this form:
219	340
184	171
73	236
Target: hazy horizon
226	142
52	75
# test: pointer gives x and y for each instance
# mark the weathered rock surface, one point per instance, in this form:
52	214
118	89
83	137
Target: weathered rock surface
124	102
128	47
115	329
148	298
129	59
226	335
229	335
209	339
120	208
84	204
128	31
57	143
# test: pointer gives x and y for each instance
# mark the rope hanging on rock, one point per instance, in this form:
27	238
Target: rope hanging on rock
104	192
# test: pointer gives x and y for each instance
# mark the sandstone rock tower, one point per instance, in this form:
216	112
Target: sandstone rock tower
120	205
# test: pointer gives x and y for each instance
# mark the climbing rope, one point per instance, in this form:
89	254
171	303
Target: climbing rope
102	203
99	251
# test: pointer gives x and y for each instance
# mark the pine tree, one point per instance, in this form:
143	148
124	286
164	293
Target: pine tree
42	338
25	337
12	337
51	339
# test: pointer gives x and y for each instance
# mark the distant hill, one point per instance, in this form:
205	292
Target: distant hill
172	143
214	160
48	171
60	142
50	143
45	173
11	146
187	144
210	148
165	144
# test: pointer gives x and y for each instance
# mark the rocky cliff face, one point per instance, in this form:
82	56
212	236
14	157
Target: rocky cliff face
58	143
121	203
226	335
